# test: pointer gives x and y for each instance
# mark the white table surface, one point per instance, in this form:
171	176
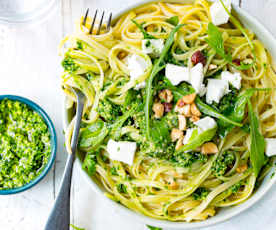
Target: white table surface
30	66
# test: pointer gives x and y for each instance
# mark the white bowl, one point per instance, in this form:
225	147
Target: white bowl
225	213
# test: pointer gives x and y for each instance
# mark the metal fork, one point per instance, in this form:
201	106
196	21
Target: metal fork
94	20
59	218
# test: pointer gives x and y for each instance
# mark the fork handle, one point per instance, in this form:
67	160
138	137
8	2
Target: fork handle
60	214
59	218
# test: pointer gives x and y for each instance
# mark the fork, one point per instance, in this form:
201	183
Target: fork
94	20
59	218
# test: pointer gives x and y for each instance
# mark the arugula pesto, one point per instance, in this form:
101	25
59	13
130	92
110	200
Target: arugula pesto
24	144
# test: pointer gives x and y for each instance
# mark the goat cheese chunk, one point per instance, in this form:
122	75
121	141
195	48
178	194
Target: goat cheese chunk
177	74
152	47
196	79
219	15
206	123
216	89
136	66
123	151
270	149
233	78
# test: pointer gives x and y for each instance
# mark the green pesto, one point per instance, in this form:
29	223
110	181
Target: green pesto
24	144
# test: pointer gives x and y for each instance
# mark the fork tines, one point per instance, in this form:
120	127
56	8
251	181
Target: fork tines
94	20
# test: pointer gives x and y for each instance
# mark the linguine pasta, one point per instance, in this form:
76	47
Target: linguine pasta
159	184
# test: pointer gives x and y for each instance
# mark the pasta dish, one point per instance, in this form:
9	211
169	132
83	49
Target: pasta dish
180	110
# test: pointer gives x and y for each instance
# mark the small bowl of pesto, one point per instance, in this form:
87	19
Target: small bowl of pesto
27	144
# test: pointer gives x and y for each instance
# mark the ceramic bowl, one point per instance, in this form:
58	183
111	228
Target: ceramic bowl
52	131
223	214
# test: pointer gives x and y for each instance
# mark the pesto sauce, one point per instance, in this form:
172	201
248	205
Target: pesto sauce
25	145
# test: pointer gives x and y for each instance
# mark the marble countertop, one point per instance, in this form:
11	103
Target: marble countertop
30	67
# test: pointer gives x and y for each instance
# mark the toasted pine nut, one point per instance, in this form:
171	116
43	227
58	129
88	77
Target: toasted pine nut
242	168
195	111
189	99
176	134
158	109
182	123
166	95
179	143
209	148
194	119
185	110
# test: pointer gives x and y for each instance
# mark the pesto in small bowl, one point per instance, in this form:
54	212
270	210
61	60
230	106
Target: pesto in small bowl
26	145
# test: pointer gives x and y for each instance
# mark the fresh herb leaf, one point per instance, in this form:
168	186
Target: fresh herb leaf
200	193
215	40
210	111
144	32
197	139
153	228
93	135
157	67
257	147
121	188
160	131
89	163
173	20
237	114
243	66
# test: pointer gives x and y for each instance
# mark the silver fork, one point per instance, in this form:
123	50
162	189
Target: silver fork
94	20
59	218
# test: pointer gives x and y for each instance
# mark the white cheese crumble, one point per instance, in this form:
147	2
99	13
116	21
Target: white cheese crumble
233	78
196	79
216	89
270	149
203	124
153	47
123	151
194	76
219	15
206	123
136	66
177	74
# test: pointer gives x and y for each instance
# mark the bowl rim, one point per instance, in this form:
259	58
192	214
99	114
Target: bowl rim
265	36
35	107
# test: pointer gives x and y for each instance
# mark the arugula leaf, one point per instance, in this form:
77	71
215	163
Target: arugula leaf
93	135
157	67
89	163
178	92
215	40
197	139
243	66
257	146
208	110
144	32
173	20
153	228
160	131
239	110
